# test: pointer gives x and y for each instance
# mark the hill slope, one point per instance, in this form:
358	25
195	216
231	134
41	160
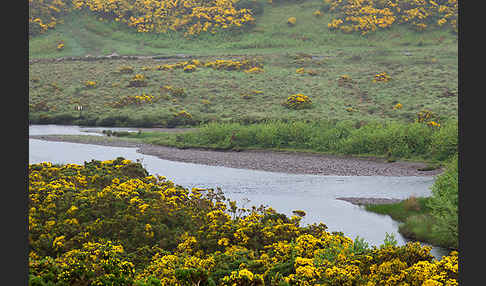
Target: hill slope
423	67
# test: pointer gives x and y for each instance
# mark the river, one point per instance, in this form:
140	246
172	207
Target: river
314	194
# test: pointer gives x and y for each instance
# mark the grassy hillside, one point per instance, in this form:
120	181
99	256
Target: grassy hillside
85	34
423	67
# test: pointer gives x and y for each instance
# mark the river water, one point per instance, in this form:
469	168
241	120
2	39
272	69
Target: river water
314	194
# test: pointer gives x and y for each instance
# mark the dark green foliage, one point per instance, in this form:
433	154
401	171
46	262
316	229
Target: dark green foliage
392	140
191	276
445	201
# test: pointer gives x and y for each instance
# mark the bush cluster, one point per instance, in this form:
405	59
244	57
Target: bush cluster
445	202
249	65
298	101
143	98
161	16
367	16
112	223
195	17
45	15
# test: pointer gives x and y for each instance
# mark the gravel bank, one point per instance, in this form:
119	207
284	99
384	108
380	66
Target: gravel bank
369	201
285	162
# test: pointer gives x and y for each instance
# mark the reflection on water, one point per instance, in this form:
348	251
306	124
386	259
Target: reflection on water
316	195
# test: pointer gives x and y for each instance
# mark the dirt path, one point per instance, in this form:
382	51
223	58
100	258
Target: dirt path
285	162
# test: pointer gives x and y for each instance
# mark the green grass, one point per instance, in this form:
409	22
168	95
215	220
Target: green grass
416	220
416	84
404	141
403	210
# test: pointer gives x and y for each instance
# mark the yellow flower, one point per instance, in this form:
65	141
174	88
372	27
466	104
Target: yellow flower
189	68
245	273
223	241
90	83
291	21
397	106
58	242
254	70
300	71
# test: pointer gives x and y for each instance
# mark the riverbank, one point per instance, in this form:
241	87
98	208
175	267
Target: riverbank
336	189
265	160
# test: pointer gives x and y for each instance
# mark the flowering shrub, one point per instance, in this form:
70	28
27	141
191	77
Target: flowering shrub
44	15
433	124
247	65
382	77
291	21
189	68
60	46
230	65
134	100
90	84
428	117
254	70
397	106
137	80
189	17
111	223
366	16
183	114
298	101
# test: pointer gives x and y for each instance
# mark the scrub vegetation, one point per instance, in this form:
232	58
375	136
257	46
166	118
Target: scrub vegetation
112	223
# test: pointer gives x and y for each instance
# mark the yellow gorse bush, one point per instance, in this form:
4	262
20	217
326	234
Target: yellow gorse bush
247	65
291	21
60	46
428	117
44	15
397	106
110	222
189	68
90	83
129	100
138	80
298	101
382	77
192	17
367	16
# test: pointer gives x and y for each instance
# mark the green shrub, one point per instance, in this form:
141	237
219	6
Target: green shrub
395	140
392	139
444	142
327	136
444	203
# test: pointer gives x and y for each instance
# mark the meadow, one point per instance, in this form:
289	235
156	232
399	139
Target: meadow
338	80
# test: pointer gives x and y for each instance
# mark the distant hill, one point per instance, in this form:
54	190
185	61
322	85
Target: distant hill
130	28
